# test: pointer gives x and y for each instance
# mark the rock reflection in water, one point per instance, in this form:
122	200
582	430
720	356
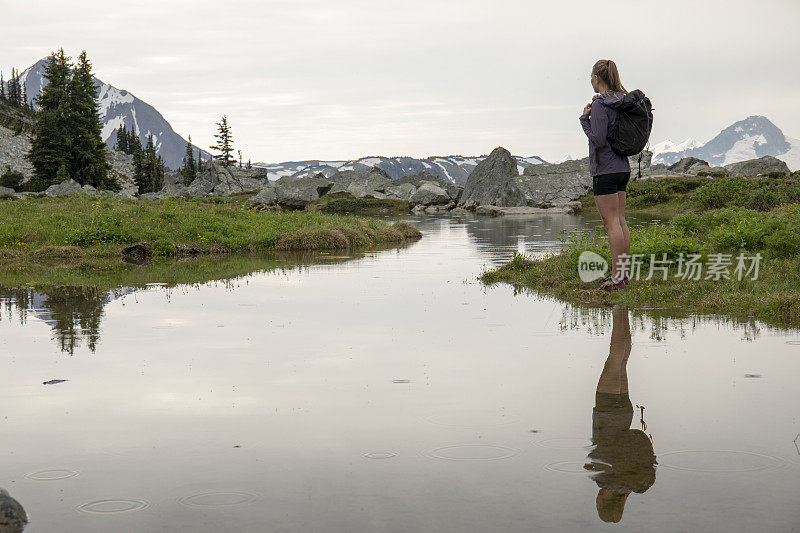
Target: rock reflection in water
13	518
622	457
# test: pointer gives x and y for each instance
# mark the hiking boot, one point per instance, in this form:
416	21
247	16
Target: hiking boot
600	281
611	285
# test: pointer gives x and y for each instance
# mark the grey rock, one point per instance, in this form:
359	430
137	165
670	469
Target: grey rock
266	197
296	193
686	163
219	180
493	182
140	249
546	186
371	184
88	189
429	193
65	188
757	167
417	179
403	191
492	210
5	191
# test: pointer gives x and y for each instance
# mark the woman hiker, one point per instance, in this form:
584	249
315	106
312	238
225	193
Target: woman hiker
610	171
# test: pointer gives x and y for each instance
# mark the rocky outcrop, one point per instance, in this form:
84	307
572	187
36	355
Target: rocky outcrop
5	191
219	180
555	185
296	193
371	184
687	163
493	182
65	188
429	193
418	179
757	167
403	191
266	197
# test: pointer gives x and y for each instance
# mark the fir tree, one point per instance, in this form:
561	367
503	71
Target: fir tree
224	142
139	176
189	169
134	142
249	166
87	156
50	143
122	139
2	87
240	158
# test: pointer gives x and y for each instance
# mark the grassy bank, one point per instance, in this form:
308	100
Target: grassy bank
88	227
670	196
774	297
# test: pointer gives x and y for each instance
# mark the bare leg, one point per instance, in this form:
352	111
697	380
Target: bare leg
608	205
621	196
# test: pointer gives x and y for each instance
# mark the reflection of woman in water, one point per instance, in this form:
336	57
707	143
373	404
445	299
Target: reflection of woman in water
622	457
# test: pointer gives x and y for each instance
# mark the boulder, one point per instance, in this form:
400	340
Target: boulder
493	182
296	193
429	193
687	163
403	191
371	184
416	180
757	167
219	180
266	197
129	191
555	185
88	189
65	188
5	191
140	249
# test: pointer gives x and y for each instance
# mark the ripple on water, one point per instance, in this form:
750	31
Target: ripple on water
564	443
380	455
567	467
401	381
472	452
718	460
52	475
207	500
793	343
113	506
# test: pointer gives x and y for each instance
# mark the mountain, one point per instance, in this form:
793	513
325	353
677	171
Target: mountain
750	138
453	168
117	107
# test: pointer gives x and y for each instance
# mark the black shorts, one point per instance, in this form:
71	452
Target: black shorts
610	183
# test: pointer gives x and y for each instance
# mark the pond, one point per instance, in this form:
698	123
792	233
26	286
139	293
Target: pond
390	390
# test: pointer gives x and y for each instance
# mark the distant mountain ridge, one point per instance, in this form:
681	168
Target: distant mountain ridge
452	168
750	138
118	107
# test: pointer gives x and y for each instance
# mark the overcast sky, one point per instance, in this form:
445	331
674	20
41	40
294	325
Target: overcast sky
325	79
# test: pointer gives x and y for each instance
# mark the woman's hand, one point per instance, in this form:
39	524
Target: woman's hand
587	109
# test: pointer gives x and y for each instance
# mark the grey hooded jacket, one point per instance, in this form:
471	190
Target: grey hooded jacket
602	159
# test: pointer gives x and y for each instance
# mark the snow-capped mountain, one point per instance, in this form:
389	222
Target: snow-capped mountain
750	138
453	168
117	107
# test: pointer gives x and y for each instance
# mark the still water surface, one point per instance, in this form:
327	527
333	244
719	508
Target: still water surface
392	391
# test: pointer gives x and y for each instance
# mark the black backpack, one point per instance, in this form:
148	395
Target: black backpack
631	132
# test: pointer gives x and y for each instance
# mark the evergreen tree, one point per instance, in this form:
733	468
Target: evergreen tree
50	143
134	142
189	169
122	139
2	87
139	176
87	162
249	166
240	158
224	142
200	163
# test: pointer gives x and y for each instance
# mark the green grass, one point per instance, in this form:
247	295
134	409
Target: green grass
89	227
774	297
668	196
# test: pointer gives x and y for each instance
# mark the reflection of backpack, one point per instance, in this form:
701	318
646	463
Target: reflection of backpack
630	133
